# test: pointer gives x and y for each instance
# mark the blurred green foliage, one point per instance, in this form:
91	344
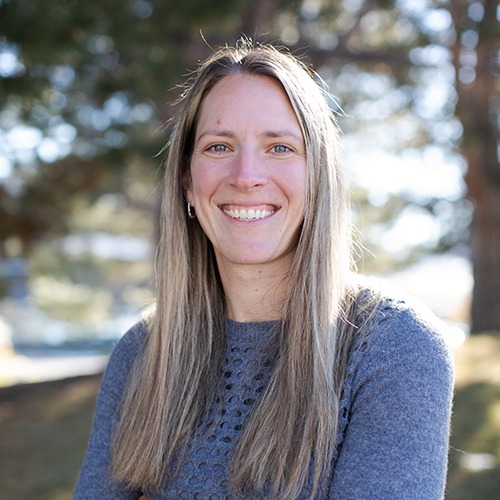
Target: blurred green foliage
86	93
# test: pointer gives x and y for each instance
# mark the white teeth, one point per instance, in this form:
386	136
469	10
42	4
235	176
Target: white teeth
250	214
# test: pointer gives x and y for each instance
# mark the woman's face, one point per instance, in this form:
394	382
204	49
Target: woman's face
247	179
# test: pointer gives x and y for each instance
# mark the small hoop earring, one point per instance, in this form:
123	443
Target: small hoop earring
190	212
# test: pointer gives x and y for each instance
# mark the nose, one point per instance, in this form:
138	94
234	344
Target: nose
248	170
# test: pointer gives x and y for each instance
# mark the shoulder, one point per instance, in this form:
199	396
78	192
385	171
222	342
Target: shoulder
402	336
394	319
404	322
123	356
129	345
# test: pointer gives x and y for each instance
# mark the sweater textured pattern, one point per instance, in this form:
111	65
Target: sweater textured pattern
394	414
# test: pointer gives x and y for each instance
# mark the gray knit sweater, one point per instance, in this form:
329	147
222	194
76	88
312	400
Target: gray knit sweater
392	441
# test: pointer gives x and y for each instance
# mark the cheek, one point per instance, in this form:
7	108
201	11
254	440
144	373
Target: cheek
197	177
204	182
295	185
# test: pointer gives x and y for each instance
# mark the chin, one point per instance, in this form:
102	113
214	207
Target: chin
258	258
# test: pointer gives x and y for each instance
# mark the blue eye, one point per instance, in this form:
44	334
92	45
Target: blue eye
218	148
281	148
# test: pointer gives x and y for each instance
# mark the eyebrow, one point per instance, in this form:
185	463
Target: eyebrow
216	133
267	133
283	133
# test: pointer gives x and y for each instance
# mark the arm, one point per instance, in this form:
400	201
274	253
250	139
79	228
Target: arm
396	441
93	480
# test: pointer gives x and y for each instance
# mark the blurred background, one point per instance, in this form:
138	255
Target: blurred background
86	94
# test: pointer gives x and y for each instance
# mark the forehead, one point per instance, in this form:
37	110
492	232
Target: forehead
246	99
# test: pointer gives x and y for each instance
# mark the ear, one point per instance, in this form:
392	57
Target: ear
186	184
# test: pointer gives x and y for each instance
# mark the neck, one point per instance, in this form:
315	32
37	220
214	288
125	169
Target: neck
254	292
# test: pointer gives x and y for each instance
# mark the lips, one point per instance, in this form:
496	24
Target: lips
248	214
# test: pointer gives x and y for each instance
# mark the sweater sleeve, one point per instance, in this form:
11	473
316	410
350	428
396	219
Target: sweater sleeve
93	481
395	442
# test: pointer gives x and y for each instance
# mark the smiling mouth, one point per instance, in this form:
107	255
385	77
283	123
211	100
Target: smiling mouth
248	214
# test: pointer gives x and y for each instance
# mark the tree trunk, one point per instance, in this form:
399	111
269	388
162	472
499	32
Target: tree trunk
477	112
485	252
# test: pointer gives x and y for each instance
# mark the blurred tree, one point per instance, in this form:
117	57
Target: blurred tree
84	99
84	103
476	56
414	44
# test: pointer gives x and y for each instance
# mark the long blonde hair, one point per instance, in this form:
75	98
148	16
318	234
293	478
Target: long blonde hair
293	424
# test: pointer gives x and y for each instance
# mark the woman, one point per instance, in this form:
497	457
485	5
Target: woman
268	370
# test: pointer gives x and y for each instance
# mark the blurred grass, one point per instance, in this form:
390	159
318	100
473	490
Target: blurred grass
474	472
44	430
